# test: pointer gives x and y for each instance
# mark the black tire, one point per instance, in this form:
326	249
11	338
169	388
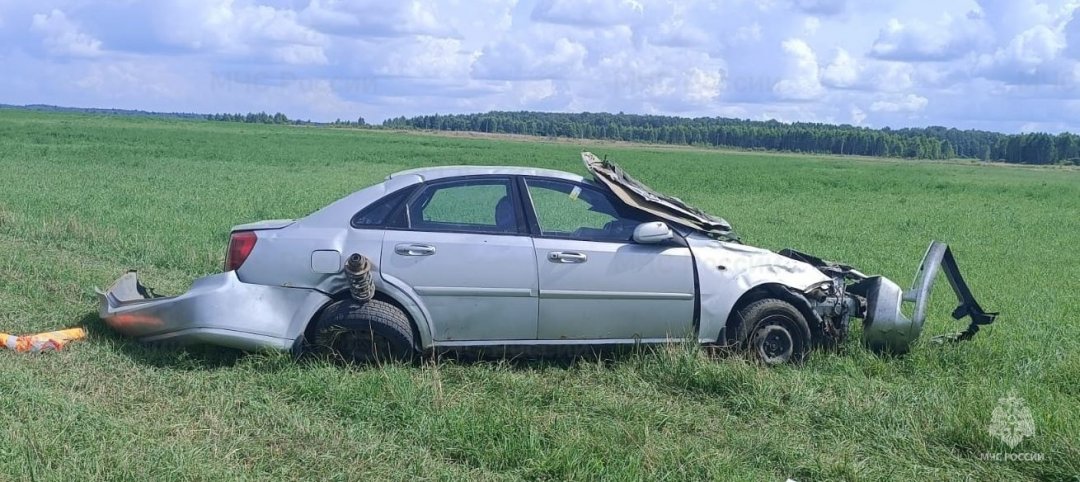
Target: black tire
773	332
374	332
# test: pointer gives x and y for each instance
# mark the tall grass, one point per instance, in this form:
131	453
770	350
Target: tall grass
84	198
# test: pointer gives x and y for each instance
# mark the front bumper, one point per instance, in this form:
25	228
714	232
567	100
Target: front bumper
885	326
887	329
218	309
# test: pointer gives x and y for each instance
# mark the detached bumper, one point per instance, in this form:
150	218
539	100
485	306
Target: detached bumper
218	309
886	328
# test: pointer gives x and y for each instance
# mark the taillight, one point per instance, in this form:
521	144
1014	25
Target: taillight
240	245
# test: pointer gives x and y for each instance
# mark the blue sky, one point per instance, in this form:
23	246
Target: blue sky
1007	65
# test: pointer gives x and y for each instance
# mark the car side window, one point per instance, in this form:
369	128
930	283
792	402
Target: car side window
382	212
469	205
577	211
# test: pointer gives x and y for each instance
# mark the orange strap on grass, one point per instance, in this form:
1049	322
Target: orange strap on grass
51	341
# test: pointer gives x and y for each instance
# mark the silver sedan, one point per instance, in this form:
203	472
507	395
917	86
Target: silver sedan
449	257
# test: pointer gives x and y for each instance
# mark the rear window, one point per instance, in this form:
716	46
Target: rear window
381	213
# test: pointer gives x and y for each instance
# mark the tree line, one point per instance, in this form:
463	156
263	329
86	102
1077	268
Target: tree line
278	118
253	118
805	137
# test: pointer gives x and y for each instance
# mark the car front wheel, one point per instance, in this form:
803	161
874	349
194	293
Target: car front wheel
773	332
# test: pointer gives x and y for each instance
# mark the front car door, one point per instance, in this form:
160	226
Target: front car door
595	282
468	257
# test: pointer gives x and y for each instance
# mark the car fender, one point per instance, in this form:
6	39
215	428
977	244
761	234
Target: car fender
727	271
305	314
400	292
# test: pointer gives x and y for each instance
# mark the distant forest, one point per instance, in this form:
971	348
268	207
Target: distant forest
915	143
920	143
278	118
102	111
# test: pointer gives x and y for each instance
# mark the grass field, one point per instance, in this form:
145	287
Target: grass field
82	199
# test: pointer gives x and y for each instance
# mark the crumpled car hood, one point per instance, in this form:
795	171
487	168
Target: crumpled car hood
634	193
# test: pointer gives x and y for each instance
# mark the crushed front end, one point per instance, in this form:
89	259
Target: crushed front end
878	301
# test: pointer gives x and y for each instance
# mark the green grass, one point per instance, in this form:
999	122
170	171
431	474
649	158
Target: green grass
84	198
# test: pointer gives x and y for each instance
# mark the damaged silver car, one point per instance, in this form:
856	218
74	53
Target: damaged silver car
452	257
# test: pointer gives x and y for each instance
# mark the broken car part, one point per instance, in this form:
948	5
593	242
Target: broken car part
41	342
218	309
886	328
361	284
670	208
879	300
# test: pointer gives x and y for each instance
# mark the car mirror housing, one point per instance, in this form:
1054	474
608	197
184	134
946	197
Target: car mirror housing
652	233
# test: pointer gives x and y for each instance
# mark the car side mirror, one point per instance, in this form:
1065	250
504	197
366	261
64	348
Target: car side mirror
652	233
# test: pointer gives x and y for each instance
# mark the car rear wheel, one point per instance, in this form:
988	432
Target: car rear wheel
773	332
373	332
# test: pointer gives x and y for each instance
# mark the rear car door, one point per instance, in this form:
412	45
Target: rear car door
466	253
595	282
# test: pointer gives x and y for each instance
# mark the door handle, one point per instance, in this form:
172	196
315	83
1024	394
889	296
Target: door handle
567	257
414	249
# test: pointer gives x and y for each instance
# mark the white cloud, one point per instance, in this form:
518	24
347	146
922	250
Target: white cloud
652	76
868	74
1034	46
748	33
528	59
946	39
821	7
969	63
857	116
131	78
373	18
1039	53
704	86
533	92
1072	36
889	77
300	54
843	71
1024	55
63	37
909	103
588	13
429	57
239	30
1010	17
802	81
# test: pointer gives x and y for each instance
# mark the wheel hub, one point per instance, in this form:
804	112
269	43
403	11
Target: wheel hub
774	344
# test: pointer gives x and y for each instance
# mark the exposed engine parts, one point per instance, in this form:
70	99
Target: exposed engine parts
878	301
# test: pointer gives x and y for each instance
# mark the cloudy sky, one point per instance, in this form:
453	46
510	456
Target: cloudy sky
1008	65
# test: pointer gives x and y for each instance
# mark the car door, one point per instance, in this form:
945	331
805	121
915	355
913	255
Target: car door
467	255
595	283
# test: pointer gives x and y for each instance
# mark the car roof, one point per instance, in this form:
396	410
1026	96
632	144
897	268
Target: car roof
440	172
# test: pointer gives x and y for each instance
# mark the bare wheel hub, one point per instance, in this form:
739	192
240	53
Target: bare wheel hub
774	344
